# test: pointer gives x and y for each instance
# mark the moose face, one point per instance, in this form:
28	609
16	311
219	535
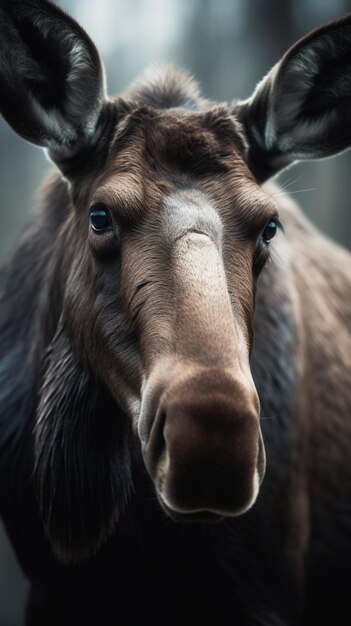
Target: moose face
177	225
154	267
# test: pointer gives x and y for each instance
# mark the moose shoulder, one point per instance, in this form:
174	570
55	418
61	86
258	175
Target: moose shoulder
166	325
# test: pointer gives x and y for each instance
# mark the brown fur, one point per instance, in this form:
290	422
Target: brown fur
148	367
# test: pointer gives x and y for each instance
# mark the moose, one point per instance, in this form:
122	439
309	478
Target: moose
175	350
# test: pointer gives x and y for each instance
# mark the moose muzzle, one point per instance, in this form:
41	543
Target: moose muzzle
199	424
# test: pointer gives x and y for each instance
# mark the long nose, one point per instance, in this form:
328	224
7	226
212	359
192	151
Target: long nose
199	424
204	450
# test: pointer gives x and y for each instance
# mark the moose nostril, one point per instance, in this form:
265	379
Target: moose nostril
160	441
157	442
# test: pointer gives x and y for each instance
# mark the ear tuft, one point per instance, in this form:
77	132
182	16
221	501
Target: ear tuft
83	472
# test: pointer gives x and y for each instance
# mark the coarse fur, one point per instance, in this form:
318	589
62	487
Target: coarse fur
134	361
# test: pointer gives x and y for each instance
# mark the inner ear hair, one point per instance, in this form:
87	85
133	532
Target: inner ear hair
302	108
51	76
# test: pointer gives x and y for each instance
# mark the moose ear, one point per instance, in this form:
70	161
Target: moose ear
82	472
52	84
302	108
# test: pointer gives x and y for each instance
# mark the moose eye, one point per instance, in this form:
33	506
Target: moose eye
270	230
100	220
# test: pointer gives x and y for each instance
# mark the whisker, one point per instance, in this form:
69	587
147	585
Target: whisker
291	182
269	417
292	193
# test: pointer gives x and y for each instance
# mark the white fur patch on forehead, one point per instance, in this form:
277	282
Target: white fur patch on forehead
191	210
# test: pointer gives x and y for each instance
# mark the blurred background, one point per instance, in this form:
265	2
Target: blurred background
228	45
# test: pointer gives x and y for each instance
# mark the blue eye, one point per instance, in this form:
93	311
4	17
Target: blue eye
100	220
270	230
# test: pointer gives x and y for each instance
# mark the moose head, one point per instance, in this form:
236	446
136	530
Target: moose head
163	231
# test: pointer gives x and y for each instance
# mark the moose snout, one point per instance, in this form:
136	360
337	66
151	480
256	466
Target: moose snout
202	445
